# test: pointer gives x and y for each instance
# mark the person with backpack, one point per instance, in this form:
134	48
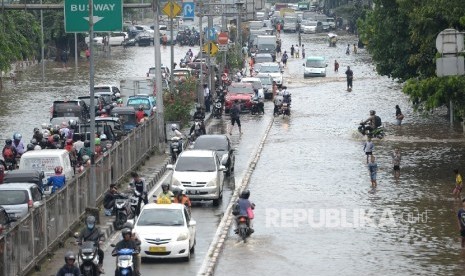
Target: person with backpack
9	152
235	116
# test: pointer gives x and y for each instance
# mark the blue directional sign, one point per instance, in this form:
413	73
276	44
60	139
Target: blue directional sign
210	33
188	9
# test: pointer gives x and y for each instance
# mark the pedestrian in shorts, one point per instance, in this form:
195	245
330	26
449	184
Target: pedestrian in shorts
373	169
368	148
396	162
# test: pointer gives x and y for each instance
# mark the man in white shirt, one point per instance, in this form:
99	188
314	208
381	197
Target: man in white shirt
206	95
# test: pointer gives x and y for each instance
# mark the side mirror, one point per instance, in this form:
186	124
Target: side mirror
224	159
192	223
222	168
36	204
169	166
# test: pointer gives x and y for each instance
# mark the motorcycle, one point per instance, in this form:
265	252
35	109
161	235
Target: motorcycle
183	63
175	148
197	130
376	133
125	208
88	259
217	108
284	109
9	165
244	231
124	261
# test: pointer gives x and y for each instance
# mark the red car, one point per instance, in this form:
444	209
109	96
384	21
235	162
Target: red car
243	92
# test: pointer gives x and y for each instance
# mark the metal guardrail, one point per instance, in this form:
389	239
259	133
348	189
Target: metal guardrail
30	240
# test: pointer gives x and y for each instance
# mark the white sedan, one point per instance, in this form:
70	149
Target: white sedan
166	231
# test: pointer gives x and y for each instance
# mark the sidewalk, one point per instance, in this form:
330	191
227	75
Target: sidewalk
152	170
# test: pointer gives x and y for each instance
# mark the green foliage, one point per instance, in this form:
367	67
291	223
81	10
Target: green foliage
233	60
19	37
178	105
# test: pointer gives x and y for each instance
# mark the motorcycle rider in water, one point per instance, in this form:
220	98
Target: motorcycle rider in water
92	233
178	134
371	121
244	205
198	115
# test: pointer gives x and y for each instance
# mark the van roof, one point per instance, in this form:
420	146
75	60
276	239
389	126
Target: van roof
315	58
44	152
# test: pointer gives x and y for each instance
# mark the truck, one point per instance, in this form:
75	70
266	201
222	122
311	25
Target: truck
290	23
137	85
279	6
266	44
304	6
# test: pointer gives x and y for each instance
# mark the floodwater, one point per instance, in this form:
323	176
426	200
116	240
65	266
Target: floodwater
316	213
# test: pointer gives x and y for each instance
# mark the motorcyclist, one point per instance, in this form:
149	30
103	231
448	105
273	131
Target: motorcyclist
225	80
181	197
138	183
109	199
130	226
37	134
176	135
190	53
199	115
92	233
18	144
278	101
58	180
165	196
244	206
69	268
260	104
286	96
128	242
9	152
371	121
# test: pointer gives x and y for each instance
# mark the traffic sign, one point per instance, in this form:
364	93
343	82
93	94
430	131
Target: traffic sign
210	48
188	9
223	47
171	9
107	15
223	38
210	33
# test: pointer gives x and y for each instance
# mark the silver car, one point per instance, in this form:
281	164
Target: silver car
18	198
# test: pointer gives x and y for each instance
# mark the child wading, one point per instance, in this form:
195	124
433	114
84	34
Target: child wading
373	168
458	184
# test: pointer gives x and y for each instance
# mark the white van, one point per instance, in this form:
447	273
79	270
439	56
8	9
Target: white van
46	160
315	67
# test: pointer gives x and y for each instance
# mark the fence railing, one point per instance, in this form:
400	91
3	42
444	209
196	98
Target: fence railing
22	246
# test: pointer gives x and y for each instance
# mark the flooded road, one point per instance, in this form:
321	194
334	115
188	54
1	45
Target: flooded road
315	213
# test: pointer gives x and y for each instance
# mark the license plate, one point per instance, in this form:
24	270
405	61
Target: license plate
156	249
193	192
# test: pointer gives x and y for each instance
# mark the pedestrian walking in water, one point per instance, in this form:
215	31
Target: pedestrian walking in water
303	51
235	116
284	59
336	66
292	51
458	184
64	58
461	222
278	50
399	116
348	49
368	148
297	52
355	48
350	77
373	169
396	162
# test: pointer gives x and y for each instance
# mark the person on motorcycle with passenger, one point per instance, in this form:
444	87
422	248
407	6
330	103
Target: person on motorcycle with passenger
138	184
69	269
181	197
245	206
9	153
58	180
18	144
92	233
199	115
371	121
130	243
165	196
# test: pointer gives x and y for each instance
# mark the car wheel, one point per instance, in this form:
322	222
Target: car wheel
188	257
193	247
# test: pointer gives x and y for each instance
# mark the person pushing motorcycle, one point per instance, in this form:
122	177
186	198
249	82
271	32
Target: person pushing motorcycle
138	183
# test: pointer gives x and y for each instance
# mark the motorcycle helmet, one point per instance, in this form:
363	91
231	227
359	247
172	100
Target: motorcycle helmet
119	101
37	147
87	144
34	141
117	95
35	129
30	147
176	191
165	186
372	112
85	158
70	256
58	169
173	127
198	107
97	141
8	141
126	231
46	134
17	136
128	225
56	138
90	222
44	125
103	137
72	123
245	194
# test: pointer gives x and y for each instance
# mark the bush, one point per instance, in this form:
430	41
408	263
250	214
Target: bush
179	104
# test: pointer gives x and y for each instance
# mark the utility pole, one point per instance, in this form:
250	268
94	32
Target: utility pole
239	6
93	190
158	77
171	48
200	99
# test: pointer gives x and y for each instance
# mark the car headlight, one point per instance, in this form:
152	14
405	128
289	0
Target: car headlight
175	182
211	183
183	236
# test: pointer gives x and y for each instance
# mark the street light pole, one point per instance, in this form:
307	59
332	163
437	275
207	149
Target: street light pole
239	22
93	184
42	42
158	77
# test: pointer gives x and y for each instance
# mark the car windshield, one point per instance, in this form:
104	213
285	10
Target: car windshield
196	164
136	102
102	89
13	197
255	84
87	100
240	89
106	98
268	69
260	59
161	217
265	80
216	144
315	63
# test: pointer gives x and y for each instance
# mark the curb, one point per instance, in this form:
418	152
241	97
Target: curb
214	251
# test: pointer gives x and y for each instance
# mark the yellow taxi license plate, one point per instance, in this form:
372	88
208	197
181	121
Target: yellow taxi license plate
157	249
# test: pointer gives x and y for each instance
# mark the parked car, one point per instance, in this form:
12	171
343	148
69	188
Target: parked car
221	145
166	231
271	68
267	83
242	92
19	198
200	173
147	102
